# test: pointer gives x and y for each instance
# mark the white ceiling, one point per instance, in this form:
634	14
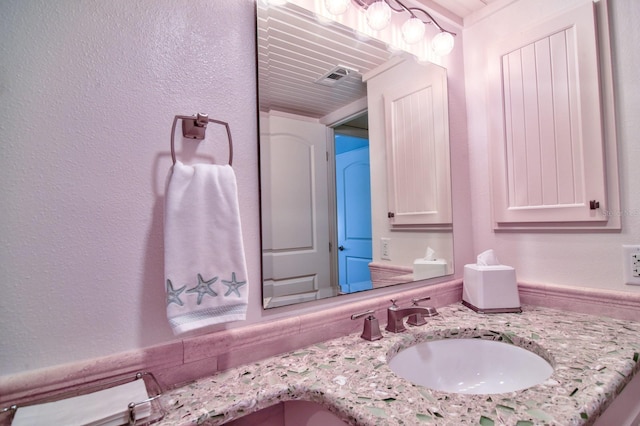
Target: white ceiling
460	8
294	51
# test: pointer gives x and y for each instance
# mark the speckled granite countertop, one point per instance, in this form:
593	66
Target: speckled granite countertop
592	358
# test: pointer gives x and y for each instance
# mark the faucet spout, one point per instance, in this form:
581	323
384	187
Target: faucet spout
396	316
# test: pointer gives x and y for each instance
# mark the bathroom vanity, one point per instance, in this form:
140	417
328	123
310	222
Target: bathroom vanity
593	359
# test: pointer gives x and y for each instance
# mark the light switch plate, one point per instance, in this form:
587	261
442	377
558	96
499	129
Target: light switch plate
631	264
385	248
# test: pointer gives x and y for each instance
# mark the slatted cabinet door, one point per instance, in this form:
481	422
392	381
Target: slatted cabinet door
416	128
548	156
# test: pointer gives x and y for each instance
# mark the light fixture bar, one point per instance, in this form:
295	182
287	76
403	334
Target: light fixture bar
432	19
378	13
398	6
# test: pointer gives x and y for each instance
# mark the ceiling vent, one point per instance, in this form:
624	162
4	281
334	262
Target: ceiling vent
334	75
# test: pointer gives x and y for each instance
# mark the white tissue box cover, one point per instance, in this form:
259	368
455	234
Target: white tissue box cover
425	269
490	286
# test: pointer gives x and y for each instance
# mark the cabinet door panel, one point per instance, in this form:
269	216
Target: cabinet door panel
548	158
417	137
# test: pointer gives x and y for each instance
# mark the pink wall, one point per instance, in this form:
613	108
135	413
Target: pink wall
89	91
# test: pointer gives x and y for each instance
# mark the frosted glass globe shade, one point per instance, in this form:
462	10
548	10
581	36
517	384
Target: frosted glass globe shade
412	30
336	7
378	15
442	44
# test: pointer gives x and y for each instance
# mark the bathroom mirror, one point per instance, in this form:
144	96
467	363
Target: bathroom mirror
326	226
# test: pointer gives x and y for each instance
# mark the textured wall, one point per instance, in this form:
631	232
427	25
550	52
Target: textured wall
88	92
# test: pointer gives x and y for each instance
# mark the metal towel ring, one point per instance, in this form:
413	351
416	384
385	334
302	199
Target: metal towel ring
194	127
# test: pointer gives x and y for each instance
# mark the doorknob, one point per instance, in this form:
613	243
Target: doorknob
341	248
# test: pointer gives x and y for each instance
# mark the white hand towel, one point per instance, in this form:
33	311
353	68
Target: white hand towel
205	269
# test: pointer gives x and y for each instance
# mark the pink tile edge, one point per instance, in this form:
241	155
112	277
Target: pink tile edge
191	358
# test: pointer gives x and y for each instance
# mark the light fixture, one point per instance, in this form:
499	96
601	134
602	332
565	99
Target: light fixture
337	7
413	30
379	13
442	43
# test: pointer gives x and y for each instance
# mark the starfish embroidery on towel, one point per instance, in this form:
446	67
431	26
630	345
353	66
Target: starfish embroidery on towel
203	288
173	296
233	285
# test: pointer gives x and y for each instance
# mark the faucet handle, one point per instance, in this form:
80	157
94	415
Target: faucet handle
393	304
420	299
371	330
361	314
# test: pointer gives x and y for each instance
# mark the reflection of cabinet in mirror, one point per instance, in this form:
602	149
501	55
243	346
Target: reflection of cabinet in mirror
409	134
416	124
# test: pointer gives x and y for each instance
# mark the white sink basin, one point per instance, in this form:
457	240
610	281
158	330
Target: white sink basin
470	366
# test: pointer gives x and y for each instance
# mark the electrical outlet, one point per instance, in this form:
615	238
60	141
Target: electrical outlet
385	248
631	264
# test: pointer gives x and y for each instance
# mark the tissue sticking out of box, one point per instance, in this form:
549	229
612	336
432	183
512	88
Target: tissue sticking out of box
430	254
490	287
487	258
429	266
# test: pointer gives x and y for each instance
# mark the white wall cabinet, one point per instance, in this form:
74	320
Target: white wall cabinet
549	139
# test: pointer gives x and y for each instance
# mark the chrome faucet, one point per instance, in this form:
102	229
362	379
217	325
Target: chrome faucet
416	314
